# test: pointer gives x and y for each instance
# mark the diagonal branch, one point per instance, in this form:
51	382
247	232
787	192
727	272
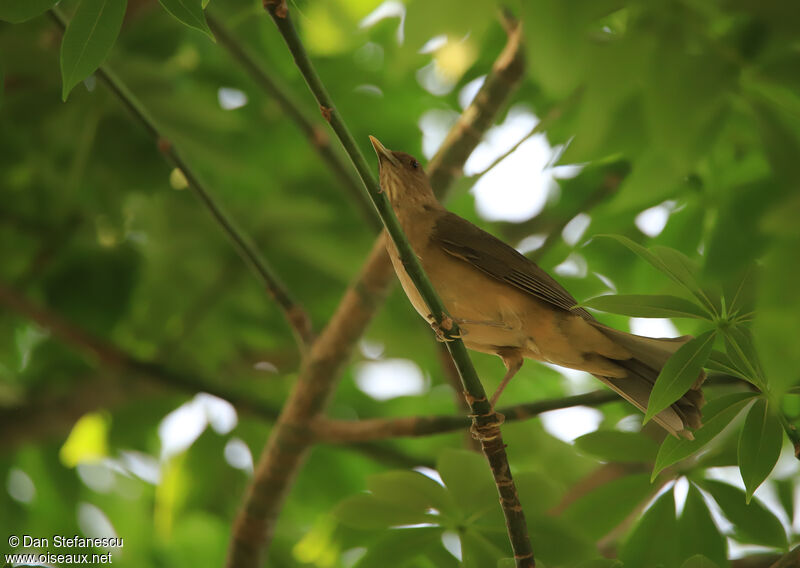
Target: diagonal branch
290	440
316	135
295	315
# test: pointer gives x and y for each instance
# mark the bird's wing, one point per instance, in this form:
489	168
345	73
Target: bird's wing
461	239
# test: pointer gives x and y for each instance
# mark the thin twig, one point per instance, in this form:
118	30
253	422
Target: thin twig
296	316
245	549
348	431
316	134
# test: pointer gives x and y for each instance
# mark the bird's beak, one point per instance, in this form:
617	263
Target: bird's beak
383	152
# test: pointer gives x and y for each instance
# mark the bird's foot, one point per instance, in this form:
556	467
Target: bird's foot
442	330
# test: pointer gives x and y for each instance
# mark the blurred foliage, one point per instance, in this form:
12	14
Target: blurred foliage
693	106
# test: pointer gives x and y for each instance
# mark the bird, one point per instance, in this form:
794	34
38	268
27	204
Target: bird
506	305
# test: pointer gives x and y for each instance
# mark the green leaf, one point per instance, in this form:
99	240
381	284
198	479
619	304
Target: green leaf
468	478
189	13
785	490
759	445
16	11
699	561
538	492
89	37
652	541
616	499
616	446
674	264
777	325
720	362
401	545
680	373
697	532
556	543
367	512
716	416
753	522
479	550
742	352
409	488
646	306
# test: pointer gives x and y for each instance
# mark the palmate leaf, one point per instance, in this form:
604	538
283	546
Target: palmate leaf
759	445
680	373
89	37
646	306
716	416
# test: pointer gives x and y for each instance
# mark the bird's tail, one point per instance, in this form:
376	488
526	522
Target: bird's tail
649	356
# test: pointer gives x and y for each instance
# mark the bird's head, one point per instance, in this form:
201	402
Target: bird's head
402	176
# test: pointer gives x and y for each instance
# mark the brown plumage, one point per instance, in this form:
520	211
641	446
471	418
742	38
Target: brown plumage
506	305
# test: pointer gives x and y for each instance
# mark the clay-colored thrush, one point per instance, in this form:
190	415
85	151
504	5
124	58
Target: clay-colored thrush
506	305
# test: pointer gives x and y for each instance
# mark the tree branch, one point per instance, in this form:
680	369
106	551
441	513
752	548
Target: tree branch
288	444
295	315
347	431
317	136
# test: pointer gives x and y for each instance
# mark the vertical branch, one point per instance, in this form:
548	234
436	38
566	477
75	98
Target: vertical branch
296	316
290	440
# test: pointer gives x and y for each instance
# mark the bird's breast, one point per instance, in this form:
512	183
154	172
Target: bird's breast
486	309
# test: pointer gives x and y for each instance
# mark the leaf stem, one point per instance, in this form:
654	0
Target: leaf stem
298	319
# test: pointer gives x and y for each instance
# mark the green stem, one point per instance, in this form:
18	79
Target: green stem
485	421
298	319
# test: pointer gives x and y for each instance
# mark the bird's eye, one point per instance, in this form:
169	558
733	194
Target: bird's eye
414	164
